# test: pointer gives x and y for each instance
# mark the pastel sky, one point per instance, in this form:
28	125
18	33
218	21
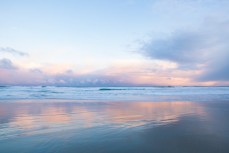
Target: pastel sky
114	42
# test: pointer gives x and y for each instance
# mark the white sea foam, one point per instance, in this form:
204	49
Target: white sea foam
115	93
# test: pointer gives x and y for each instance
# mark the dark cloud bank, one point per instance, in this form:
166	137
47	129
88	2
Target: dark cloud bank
88	80
206	49
13	75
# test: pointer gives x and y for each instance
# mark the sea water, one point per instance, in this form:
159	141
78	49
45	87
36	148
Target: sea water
160	93
114	119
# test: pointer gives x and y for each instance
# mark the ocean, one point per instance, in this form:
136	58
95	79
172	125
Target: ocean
50	119
160	93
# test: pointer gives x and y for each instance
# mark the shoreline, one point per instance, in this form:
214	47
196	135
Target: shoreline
62	100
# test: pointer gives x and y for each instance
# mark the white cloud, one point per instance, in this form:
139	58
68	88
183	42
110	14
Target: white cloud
13	51
205	49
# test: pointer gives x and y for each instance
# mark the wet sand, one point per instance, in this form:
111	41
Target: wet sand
55	126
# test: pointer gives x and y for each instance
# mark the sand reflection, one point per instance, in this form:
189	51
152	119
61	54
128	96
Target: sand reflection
131	126
55	115
77	115
160	112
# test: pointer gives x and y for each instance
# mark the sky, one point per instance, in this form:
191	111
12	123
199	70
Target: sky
114	42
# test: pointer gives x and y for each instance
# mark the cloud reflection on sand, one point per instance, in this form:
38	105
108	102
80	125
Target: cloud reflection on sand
141	113
32	118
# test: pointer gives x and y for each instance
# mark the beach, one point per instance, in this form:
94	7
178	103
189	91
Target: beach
121	76
55	125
